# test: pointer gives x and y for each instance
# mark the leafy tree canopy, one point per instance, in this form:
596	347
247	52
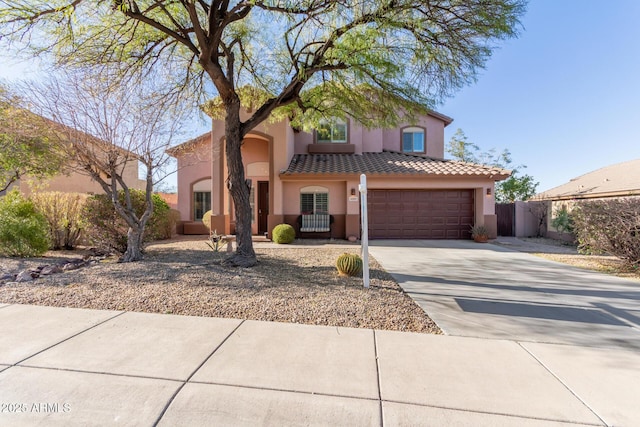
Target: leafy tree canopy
371	59
516	187
28	147
340	51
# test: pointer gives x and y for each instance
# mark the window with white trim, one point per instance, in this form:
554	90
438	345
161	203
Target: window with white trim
413	140
332	131
314	200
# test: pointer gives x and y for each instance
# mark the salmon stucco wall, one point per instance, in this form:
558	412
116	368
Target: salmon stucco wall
193	166
336	189
375	140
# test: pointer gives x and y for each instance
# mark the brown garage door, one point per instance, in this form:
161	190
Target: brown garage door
420	214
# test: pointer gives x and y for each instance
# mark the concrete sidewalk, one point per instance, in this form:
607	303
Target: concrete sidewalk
61	366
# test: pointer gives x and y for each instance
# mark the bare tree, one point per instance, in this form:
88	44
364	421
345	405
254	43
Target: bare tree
108	129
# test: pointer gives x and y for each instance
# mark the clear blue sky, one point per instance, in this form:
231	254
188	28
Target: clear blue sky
564	97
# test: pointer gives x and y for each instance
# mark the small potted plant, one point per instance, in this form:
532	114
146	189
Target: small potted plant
480	233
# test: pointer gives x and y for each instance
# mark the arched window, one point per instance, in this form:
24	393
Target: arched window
413	140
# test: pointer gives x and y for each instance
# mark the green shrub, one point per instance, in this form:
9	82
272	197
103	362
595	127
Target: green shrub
63	212
283	233
609	226
563	220
349	264
108	231
23	230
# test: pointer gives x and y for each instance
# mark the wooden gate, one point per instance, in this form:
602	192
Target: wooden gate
506	214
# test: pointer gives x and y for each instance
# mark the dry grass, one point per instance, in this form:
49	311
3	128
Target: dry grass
290	284
602	263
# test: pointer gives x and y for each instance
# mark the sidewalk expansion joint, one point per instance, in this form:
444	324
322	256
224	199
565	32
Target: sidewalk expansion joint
111	374
166	407
284	390
70	337
565	385
375	350
521	417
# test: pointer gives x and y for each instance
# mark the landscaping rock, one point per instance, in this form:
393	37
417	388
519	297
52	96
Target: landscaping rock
72	266
50	269
26	276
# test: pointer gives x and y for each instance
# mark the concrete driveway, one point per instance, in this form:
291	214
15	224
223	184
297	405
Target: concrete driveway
489	291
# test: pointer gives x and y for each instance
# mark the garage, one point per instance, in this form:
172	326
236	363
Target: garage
420	214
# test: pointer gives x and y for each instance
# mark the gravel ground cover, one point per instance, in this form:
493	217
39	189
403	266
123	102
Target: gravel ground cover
296	284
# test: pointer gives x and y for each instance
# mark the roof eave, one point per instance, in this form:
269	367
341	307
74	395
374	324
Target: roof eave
575	196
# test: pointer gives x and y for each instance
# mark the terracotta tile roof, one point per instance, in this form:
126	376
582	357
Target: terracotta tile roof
387	163
611	181
176	150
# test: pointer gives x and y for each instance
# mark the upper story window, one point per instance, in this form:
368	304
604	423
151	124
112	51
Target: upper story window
413	140
334	131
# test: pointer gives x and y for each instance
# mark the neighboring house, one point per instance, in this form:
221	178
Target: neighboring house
615	181
74	182
70	181
310	180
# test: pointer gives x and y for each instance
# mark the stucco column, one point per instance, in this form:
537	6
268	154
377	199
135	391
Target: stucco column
219	221
352	218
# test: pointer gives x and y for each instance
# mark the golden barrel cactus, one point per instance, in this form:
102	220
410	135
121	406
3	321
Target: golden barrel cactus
349	264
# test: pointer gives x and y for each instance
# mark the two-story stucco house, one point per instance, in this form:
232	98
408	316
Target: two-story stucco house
310	180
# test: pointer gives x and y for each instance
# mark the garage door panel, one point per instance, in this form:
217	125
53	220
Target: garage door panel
420	214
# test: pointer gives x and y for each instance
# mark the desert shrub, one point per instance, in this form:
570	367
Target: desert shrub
162	223
108	231
23	230
167	227
283	233
609	226
563	220
349	264
63	212
206	220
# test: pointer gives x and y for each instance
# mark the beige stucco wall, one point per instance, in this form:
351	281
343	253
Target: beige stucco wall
527	216
74	182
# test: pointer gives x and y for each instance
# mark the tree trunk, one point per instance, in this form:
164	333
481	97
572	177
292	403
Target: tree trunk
134	245
239	188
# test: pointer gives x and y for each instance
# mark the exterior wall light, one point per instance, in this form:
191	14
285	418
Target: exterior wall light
353	191
488	191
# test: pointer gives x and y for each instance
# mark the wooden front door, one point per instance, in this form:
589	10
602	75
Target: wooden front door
263	206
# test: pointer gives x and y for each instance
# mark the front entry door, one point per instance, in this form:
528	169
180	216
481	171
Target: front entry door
263	206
